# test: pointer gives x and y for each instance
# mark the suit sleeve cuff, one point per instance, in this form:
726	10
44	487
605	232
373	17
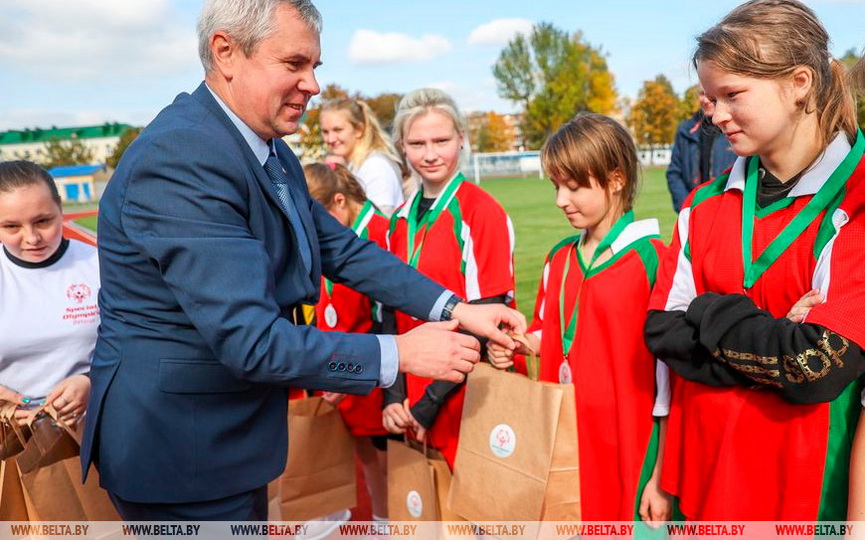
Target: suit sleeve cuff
389	360
437	310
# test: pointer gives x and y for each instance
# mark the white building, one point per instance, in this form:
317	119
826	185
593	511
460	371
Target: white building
30	143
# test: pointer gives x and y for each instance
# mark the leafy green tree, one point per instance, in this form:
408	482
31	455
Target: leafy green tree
654	116
69	152
553	75
125	140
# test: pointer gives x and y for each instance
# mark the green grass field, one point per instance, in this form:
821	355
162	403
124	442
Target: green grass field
539	224
89	222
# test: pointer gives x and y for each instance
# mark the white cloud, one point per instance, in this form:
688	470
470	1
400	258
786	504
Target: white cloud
499	31
77	39
369	47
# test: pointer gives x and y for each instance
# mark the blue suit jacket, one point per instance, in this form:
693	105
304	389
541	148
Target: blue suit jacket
199	271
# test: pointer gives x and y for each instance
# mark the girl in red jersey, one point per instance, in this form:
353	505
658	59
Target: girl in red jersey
455	233
589	317
764	408
856	510
345	310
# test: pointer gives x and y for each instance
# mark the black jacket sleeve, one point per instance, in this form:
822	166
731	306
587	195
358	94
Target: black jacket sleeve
675	342
805	363
395	393
427	407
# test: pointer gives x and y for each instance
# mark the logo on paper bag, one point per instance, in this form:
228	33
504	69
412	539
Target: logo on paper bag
414	503
503	440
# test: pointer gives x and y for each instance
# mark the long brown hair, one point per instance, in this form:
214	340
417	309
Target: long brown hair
769	39
325	181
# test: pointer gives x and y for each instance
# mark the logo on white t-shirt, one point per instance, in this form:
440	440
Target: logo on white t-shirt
78	292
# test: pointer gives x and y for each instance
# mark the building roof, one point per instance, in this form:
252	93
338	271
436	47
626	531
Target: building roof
39	135
74	170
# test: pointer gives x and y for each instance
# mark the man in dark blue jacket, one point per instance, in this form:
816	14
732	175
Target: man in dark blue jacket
209	246
700	153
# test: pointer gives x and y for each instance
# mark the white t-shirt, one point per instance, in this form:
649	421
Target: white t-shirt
381	179
48	317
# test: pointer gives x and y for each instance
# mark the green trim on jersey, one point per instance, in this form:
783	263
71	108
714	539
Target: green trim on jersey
618	255
827	229
649	256
651	457
717	187
562	244
843	418
774	207
455	211
642	531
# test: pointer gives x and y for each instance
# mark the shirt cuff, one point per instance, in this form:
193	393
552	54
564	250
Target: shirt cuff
438	308
389	360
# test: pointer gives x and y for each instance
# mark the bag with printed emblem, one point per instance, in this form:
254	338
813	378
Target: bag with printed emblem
418	483
517	457
319	476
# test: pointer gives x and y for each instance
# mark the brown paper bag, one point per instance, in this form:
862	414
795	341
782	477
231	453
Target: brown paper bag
517	457
411	486
12	504
50	472
12	439
319	477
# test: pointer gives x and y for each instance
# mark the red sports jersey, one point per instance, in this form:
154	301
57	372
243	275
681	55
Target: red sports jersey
738	453
469	250
612	370
345	310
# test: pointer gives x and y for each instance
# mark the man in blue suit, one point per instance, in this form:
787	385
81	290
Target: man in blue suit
209	243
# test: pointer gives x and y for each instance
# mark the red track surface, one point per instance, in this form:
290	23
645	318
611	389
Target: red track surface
77	232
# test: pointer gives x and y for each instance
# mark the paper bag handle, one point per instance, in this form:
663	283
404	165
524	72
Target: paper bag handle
533	365
7	416
52	412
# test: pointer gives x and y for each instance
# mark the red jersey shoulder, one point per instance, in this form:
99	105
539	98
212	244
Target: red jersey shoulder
854	192
475	203
377	228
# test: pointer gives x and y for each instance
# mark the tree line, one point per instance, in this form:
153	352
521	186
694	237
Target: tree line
550	74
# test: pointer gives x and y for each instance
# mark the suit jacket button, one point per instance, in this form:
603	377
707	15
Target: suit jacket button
350	368
358	369
332	366
341	366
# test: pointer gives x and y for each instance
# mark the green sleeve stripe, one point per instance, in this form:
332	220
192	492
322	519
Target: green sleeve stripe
649	256
455	212
827	228
709	190
565	242
843	418
394	219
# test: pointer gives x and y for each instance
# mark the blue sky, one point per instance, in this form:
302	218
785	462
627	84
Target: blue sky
76	62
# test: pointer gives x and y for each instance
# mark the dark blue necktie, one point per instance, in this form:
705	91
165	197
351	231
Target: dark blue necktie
273	168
